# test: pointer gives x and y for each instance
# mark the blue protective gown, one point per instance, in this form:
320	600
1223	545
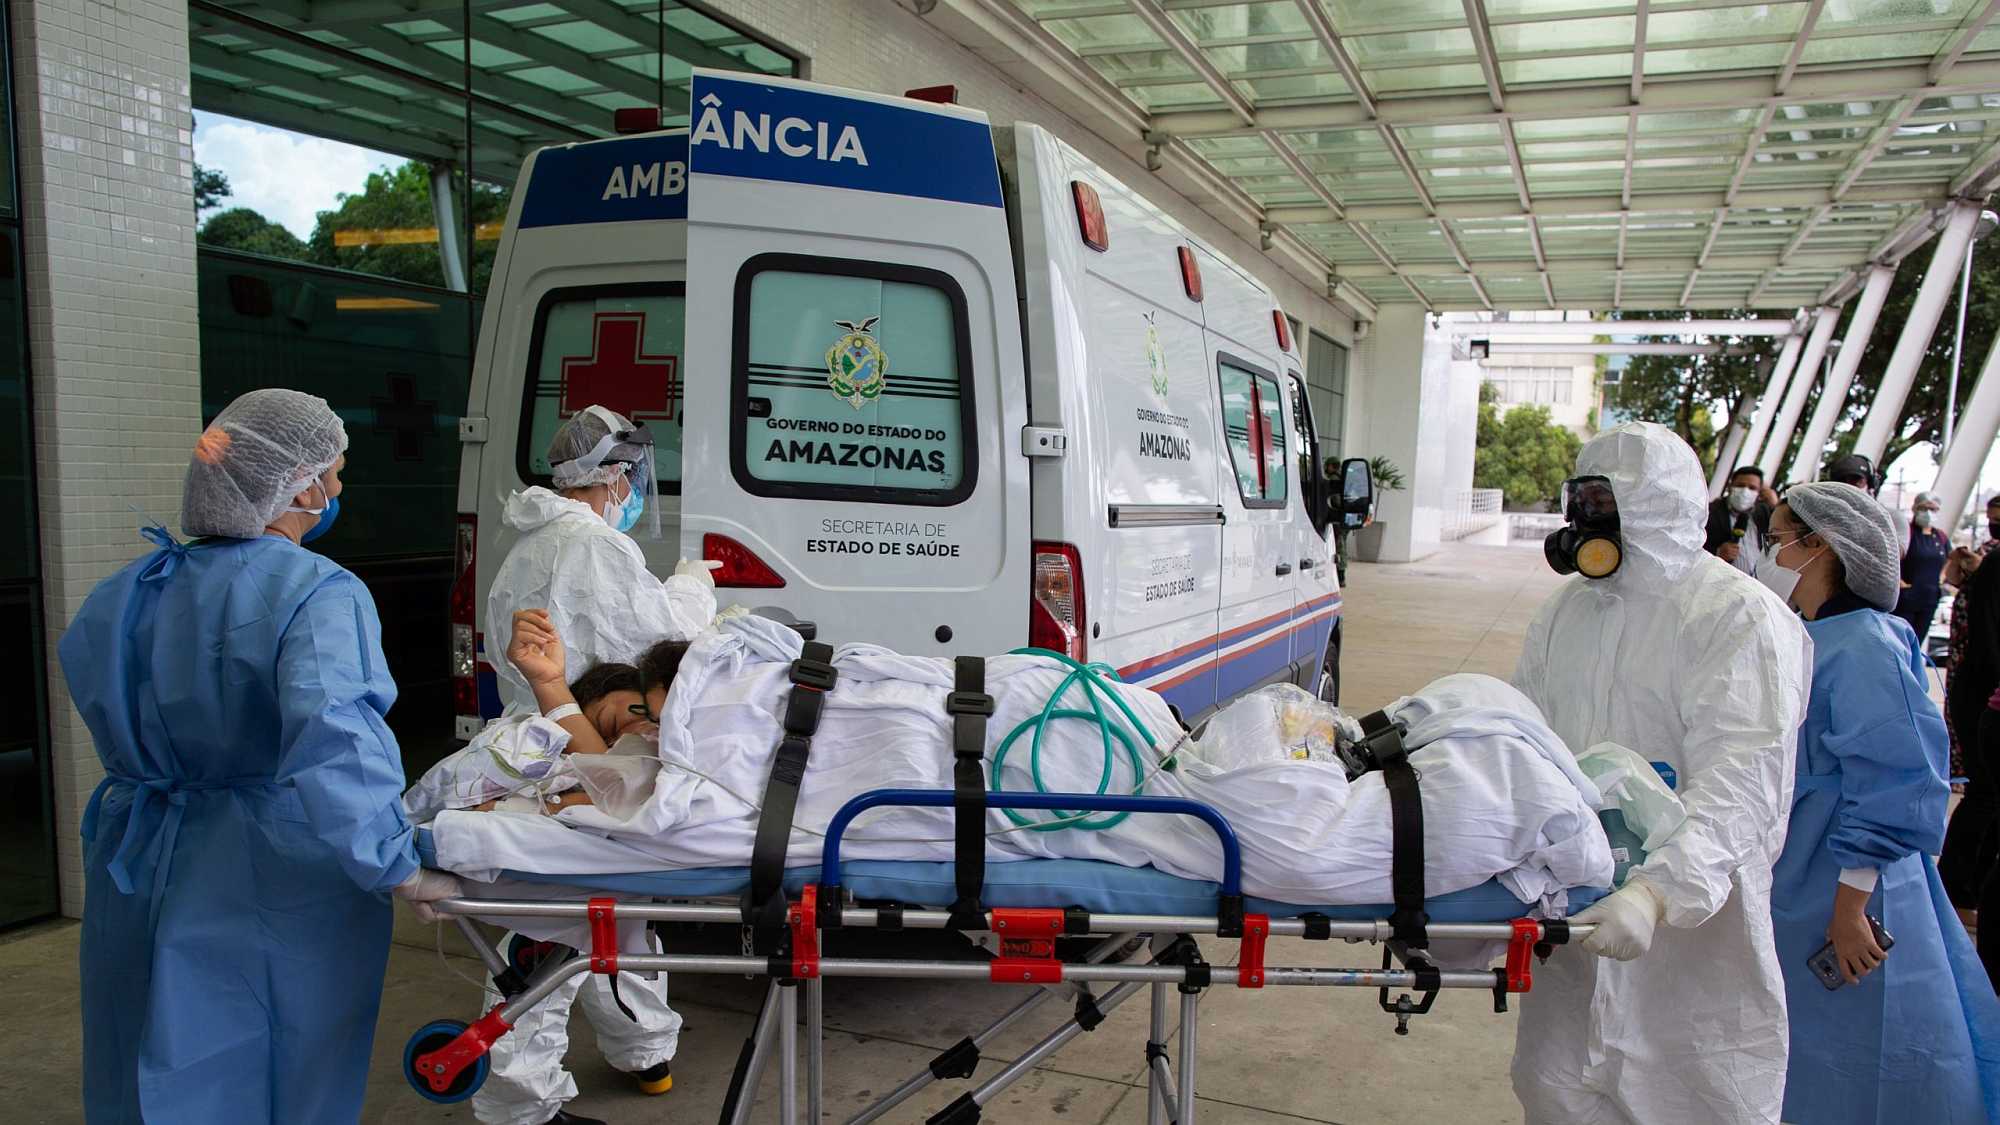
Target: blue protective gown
1919	1038
238	853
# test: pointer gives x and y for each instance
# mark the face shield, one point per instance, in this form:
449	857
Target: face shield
1588	543
636	508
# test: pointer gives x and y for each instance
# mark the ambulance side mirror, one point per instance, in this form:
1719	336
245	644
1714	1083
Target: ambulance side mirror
1357	492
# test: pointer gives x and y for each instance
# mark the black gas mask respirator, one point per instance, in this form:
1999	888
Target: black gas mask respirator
1588	544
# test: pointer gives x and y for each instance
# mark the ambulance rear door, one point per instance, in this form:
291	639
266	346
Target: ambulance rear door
851	283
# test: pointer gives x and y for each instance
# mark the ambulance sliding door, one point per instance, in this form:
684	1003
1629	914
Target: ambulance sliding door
850	281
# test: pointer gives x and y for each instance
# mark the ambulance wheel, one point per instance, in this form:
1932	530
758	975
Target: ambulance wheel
1328	689
433	1036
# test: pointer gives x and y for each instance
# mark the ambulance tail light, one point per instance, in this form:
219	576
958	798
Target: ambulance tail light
1090	216
1283	328
465	618
636	119
1190	274
1055	608
942	95
741	568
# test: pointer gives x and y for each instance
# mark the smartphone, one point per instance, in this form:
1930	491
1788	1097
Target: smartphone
1825	964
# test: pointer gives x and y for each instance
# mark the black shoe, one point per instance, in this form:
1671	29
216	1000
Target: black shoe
562	1118
655	1079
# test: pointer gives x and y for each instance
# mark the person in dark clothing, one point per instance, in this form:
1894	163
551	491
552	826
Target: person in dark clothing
1971	842
1856	469
1925	549
1740	520
1958	573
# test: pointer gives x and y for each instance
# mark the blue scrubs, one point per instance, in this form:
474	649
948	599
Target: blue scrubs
239	851
1919	1038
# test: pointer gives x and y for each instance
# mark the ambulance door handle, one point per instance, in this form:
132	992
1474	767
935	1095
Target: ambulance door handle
1284	569
1307	564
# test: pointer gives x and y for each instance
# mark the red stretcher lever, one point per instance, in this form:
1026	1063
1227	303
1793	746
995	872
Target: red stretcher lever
804	918
1027	945
603	914
442	1067
1519	975
1250	961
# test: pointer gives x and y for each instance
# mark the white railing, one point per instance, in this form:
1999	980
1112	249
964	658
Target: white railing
1470	510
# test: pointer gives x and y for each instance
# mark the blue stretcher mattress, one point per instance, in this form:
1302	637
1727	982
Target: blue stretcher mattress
1102	888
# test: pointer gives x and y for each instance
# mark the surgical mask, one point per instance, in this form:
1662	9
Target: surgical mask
1922	518
1779	579
623	515
1742	499
1589	543
327	513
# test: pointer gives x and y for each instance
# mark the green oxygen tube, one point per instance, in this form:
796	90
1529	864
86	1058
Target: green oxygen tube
1093	680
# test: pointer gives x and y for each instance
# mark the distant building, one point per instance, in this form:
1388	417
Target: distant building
1564	382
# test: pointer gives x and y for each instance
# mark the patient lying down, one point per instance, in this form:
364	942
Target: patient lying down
1503	798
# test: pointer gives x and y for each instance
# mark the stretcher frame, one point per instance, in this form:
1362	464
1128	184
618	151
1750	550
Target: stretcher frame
1026	936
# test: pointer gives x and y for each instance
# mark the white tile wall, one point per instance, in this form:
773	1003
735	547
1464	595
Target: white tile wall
883	45
106	163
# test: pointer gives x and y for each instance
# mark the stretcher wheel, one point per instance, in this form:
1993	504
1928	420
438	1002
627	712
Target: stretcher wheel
431	1037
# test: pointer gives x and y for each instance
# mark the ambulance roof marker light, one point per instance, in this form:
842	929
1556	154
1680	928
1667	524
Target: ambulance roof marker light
943	95
1090	216
635	119
1283	328
1190	273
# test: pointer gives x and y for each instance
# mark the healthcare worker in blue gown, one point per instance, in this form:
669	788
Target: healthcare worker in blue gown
240	851
1913	1034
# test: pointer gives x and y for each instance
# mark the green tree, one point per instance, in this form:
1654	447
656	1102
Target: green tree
1688	393
388	228
1521	452
240	228
211	187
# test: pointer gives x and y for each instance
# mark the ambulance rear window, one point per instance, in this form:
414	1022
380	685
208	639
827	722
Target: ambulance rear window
615	346
852	382
1253	418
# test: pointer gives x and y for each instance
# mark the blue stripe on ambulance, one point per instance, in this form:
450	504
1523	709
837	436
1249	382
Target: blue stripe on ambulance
773	130
626	180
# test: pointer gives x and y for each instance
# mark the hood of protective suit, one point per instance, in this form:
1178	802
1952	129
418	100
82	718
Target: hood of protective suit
536	507
1662	498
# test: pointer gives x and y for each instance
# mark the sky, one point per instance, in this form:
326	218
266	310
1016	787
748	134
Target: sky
287	177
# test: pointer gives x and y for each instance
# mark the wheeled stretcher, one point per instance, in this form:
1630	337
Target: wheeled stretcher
1021	907
445	1060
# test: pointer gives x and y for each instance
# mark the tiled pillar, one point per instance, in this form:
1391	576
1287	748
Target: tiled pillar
107	201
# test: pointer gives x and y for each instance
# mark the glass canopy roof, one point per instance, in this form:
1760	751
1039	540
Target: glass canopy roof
395	75
1509	153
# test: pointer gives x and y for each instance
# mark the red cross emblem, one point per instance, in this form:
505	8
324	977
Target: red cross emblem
617	375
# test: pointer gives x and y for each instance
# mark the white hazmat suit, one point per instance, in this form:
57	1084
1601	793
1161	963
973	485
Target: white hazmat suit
606	606
593	581
1686	660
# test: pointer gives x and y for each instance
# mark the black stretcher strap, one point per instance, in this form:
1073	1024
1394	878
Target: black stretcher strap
1406	814
764	904
969	707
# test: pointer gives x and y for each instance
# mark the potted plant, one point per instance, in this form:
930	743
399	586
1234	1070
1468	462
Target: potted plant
1388	478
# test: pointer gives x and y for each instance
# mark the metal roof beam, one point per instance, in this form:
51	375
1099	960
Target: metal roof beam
1978	177
1805	230
1877	141
1792	57
1499	348
1329	41
1631	142
324	87
213	97
1688	290
648	34
1163	25
1825	260
1481	290
1618	290
1311	179
1498	329
446	69
1482	44
1974	23
1638	71
1514	162
1677	94
1402	155
1549	290
1553	207
1623	222
1755	138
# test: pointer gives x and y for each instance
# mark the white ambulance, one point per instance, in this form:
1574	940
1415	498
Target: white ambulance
917	381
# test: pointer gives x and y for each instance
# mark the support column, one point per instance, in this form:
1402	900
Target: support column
107	201
1803	380
1833	397
1774	394
1732	440
444	211
1880	424
1406	366
1972	440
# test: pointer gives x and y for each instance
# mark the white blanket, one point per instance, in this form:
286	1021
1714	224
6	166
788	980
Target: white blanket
1502	796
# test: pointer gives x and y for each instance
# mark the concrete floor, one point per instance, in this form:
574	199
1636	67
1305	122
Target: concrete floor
1282	1054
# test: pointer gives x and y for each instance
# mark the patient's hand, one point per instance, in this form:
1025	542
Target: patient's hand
535	649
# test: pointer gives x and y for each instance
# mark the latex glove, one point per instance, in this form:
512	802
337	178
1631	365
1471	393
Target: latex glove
701	570
424	887
1625	922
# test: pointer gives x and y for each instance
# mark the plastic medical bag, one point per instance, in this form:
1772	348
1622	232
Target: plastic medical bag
1639	812
1282	722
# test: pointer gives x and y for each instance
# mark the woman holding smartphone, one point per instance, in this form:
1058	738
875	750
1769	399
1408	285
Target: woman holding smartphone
1877	1035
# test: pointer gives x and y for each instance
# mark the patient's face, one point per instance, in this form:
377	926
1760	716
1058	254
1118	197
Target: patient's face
618	713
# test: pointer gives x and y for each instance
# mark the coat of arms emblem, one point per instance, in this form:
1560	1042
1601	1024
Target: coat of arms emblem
856	369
